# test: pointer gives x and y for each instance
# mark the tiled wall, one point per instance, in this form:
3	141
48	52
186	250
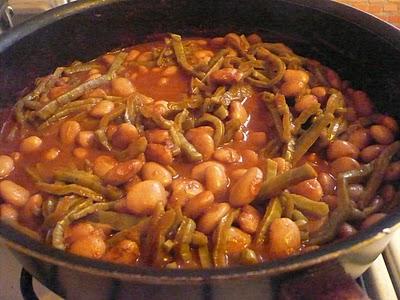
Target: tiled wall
388	10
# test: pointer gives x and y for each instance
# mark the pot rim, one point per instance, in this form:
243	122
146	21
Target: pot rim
28	246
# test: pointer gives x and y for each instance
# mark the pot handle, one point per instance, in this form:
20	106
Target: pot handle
325	282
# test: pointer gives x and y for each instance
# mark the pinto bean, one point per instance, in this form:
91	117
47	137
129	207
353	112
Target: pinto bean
123	172
157	136
293	88
226	155
305	102
333	79
381	134
102	108
91	246
143	197
124	252
248	219
245	190
80	153
212	216
8	212
132	55
360	138
226	76
372	220
33	207
237	174
125	134
393	171
203	143
184	189
237	241
308	188
13	193
250	157
199	171
52	153
197	205
362	104
344	164
296	75
389	123
86	139
369	153
159	153
30	144
237	111
155	171
339	148
254	38
283	165
216	180
284	238
319	91
169	71
257	138
122	87
103	164
6	166
327	183
68	132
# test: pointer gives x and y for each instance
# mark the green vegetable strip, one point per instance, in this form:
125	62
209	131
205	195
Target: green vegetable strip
308	206
272	212
134	149
248	257
117	221
304	116
61	209
163	228
181	57
287	205
104	122
199	239
298	216
148	244
218	126
284	111
308	138
271	169
183	239
269	100
221	239
62	189
277	184
380	166
80	68
231	127
187	148
133	233
205	257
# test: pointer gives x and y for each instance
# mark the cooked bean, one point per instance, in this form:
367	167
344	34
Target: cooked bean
237	111
80	153
199	171
157	136
389	123
360	138
111	130
32	210
203	56
184	189
250	157
333	79
122	87
159	153
346	230
305	102
217	41
96	93
226	76
123	172
226	155
8	212
13	193
327	183
296	75
331	200
319	91
339	148
169	71
145	56
393	171
203	143
52	153
369	153
248	219
344	164
355	191
80	230
237	241
284	238
125	134
388	192
293	88
86	139
212	216
236	174
108	58
125	252
216	180
103	164
372	220
381	134
254	38
132	55
362	104
246	188
30	144
257	138
144	196
6	166
16	156
163	81
282	165
102	108
310	189
197	205
91	246
155	171
68	132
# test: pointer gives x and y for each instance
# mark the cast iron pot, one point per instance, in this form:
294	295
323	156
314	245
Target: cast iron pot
361	47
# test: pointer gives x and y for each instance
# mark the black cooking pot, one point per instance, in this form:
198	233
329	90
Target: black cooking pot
361	47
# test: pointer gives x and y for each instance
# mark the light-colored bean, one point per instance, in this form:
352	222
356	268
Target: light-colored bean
362	104
248	219
8	212
254	38
236	174
124	252
203	55
184	189
284	238
203	143
226	76
108	58
331	200
293	88
369	153
125	134
102	108
145	56
16	156
227	155
339	148
216	181
80	153
158	136
169	71
372	220
199	171
144	196
13	193
123	172
6	166
86	139
246	188
310	189
389	123
237	111
132	55
68	132
30	144
381	134
249	157
234	40
212	216
51	154
327	183
122	87
305	102
393	171
159	153
282	165
344	164
346	230
257	138
160	107
96	93
57	91
237	241
32	210
111	130
163	81
360	138
296	75
155	171
143	70
103	164
217	41
91	246
333	79
319	91
196	206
